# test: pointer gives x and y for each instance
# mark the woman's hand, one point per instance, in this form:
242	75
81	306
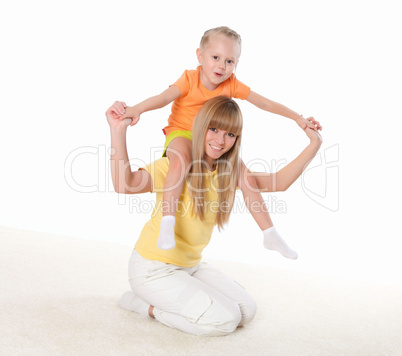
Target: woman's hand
113	115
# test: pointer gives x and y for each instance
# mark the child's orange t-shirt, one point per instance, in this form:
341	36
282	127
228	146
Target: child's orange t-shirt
194	95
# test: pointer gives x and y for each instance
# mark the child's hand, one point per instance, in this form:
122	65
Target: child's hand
131	112
309	122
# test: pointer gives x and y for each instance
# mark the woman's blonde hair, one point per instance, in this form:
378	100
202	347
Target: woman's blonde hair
223	30
224	114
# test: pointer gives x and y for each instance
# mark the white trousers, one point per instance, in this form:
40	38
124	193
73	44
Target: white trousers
198	300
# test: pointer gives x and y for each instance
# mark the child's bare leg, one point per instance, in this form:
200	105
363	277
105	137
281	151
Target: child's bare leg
257	208
179	154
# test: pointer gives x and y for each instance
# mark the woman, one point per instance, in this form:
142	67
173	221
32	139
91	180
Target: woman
174	286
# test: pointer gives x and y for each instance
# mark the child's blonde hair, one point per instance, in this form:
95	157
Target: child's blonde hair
222	113
223	30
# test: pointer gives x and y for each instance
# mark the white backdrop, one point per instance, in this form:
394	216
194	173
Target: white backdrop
64	63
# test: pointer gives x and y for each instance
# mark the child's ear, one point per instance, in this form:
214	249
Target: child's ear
199	55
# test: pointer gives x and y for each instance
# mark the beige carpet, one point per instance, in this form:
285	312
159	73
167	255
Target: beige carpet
58	297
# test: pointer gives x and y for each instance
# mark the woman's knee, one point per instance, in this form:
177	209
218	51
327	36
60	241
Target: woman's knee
220	319
248	311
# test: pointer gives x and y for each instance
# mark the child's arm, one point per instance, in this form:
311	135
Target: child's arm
276	108
152	103
284	178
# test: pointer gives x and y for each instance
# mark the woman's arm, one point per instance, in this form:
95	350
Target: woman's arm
124	180
283	179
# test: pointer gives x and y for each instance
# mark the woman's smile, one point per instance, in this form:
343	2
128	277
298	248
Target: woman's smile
216	148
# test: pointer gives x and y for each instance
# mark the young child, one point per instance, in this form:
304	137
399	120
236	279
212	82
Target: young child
218	56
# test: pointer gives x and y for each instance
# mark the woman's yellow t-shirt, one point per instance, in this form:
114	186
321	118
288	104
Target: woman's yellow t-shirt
191	234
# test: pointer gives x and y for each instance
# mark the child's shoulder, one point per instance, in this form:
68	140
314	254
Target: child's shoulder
193	71
196	69
191	74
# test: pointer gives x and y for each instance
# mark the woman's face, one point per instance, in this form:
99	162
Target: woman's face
216	143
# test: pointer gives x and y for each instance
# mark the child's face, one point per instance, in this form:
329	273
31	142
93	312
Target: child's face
218	59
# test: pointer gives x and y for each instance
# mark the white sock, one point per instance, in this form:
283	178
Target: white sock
166	235
129	301
273	241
